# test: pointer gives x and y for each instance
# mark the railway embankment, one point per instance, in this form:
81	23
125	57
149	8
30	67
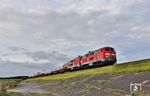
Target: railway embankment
112	80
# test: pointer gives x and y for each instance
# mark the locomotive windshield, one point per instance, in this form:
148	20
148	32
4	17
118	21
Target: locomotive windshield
109	49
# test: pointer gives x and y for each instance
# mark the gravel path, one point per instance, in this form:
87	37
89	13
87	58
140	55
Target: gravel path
123	81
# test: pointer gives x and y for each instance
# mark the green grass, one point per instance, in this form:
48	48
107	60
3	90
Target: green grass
9	80
10	94
19	94
7	84
131	67
34	94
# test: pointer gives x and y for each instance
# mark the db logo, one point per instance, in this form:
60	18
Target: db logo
135	87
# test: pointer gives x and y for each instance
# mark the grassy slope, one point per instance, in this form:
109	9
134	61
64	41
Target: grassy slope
6	84
131	67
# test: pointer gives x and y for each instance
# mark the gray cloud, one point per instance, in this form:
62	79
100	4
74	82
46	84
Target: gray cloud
12	68
14	48
53	57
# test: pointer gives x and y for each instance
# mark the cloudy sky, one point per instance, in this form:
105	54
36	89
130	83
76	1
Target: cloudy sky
40	35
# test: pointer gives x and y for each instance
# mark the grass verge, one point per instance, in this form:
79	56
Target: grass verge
131	67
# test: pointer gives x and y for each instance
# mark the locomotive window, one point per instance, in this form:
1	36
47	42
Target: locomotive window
101	50
92	53
107	49
112	49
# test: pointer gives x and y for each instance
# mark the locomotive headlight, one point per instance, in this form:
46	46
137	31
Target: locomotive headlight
113	54
107	54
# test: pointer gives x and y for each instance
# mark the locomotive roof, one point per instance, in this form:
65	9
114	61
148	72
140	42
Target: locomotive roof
96	51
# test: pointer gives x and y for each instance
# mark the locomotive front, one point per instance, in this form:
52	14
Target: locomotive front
109	55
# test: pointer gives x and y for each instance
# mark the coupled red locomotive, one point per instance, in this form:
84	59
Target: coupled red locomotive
101	57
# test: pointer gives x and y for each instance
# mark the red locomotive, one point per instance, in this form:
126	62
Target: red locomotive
101	57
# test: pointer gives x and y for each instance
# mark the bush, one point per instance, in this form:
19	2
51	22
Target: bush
3	88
